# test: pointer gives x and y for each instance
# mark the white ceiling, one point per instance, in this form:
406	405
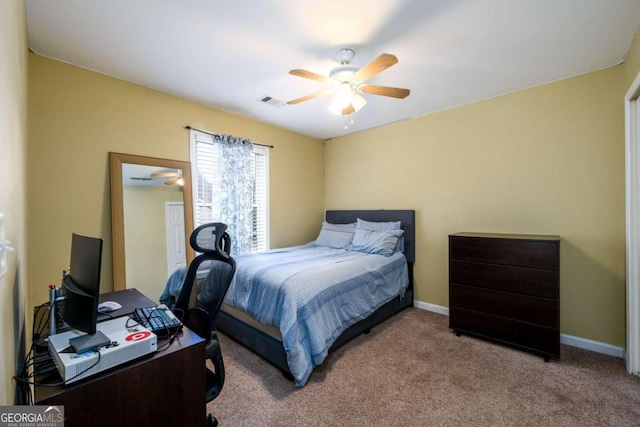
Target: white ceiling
140	175
230	53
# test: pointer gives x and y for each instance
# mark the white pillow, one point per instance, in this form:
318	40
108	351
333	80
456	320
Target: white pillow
383	226
375	242
378	226
337	236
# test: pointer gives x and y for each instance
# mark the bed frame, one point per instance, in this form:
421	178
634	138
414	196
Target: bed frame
272	350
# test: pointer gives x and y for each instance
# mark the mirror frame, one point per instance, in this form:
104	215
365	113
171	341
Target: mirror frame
116	160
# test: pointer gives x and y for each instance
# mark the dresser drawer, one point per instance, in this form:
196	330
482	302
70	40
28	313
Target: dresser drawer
542	311
540	339
542	283
524	253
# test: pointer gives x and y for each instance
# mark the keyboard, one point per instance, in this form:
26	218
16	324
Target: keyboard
158	319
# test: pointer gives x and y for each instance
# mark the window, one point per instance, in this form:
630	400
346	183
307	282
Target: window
205	156
260	199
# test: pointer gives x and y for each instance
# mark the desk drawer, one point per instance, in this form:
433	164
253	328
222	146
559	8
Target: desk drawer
538	338
542	311
523	253
542	283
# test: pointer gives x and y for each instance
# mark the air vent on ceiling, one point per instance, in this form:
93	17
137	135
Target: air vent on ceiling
271	101
135	178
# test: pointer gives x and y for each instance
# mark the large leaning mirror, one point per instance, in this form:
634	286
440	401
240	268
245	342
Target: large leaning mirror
151	220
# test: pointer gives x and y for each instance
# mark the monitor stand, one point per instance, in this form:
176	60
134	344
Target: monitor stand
86	343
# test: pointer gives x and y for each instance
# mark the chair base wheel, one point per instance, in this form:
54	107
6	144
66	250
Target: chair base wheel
211	421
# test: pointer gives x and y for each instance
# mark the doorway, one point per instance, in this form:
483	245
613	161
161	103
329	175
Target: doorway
632	171
176	253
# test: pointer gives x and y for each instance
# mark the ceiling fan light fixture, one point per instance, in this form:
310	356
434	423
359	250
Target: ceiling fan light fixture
342	73
342	99
336	108
358	101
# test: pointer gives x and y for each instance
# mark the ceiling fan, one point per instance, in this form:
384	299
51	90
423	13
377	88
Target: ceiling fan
349	81
174	177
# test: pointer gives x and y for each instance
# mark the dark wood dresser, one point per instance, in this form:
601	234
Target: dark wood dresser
505	288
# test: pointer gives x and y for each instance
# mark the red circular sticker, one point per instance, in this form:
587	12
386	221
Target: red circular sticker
138	336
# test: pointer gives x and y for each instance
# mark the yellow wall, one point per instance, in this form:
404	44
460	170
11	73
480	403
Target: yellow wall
77	116
13	139
547	160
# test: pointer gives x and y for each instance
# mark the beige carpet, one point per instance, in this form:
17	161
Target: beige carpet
413	371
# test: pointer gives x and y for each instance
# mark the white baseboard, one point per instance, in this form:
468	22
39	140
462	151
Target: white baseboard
597	346
431	307
586	344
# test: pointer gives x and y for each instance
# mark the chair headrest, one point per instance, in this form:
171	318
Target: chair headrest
211	238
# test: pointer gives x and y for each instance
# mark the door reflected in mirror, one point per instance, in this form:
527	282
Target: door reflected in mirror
151	221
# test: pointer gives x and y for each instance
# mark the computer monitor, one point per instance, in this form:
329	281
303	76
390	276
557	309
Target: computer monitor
80	290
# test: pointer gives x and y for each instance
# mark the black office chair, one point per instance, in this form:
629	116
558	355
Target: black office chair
199	310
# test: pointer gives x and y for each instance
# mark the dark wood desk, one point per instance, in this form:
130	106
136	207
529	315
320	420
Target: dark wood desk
164	389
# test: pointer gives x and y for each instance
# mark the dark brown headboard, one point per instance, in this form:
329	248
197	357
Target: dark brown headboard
406	217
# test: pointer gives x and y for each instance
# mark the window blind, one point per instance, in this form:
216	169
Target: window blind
260	200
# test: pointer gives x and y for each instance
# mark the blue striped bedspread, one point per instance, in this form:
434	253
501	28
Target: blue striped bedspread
314	293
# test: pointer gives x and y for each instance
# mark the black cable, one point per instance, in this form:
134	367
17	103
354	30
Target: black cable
46	363
42	320
60	383
169	340
104	313
24	394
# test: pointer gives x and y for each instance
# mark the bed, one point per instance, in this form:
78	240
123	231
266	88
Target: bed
256	321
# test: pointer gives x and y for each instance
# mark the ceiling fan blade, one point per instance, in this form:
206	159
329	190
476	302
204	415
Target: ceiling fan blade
348	110
393	92
163	174
378	65
172	180
312	96
309	75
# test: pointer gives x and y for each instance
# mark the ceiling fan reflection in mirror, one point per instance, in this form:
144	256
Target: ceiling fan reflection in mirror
174	177
348	82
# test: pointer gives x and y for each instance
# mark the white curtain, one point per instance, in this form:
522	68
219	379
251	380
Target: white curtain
226	183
